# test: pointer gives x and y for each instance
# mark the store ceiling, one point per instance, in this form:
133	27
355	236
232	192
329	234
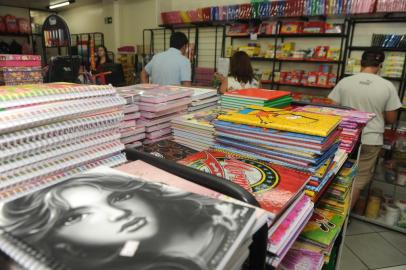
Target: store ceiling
43	4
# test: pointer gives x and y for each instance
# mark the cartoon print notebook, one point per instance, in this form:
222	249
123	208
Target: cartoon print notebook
299	122
273	186
257	93
323	227
106	219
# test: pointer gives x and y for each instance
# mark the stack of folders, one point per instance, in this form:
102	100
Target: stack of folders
49	132
131	134
143	218
158	106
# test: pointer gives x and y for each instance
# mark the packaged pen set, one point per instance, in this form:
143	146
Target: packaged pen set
49	132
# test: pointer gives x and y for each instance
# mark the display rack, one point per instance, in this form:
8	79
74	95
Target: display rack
258	247
354	22
81	45
55	35
207	38
278	62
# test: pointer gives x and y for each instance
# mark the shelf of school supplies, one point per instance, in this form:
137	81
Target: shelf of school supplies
300	35
363	48
385	77
14	35
389	183
303	85
378	222
315	61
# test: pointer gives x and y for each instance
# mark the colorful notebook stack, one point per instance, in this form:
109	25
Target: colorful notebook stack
158	106
324	176
131	135
203	99
321	232
237	99
337	198
298	140
285	231
195	130
51	131
278	190
17	69
352	123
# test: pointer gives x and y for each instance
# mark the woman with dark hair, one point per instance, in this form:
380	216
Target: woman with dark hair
88	221
241	74
102	57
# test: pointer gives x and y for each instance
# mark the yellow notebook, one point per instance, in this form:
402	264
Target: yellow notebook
298	122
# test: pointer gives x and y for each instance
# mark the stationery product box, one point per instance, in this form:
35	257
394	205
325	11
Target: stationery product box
314	27
20	75
20	60
292	28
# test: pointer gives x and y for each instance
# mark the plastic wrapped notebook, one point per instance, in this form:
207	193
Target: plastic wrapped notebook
273	186
140	224
299	122
164	94
164	106
259	94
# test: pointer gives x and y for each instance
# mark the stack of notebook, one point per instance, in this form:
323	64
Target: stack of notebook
158	106
321	232
50	131
136	217
283	233
195	130
321	180
237	99
298	140
352	123
337	197
278	190
131	135
203	99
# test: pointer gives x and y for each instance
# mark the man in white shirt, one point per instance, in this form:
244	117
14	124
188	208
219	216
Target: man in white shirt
369	92
170	67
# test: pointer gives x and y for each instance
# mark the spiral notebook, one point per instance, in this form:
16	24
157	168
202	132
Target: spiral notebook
106	219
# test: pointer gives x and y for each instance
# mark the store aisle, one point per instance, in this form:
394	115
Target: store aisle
373	247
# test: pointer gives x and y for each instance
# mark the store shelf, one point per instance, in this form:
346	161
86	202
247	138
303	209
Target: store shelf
385	182
305	35
378	222
14	35
313	35
305	86
363	48
316	61
385	77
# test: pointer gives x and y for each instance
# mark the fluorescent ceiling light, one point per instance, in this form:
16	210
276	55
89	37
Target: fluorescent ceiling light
66	3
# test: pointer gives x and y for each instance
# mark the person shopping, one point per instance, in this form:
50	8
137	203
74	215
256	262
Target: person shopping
241	74
171	67
369	92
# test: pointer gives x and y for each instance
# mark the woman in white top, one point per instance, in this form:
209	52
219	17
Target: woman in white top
241	74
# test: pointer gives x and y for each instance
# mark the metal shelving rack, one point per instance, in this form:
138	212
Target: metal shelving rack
278	63
81	43
353	22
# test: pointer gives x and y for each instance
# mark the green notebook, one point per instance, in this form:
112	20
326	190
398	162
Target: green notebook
323	227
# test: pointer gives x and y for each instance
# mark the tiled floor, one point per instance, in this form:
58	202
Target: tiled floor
372	247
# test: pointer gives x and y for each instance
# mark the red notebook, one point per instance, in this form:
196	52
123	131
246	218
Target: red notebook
257	93
274	187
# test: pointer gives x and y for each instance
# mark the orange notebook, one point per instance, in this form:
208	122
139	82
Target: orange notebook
257	93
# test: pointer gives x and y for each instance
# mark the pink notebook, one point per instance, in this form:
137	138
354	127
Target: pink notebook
163	106
158	127
150	115
164	94
159	133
